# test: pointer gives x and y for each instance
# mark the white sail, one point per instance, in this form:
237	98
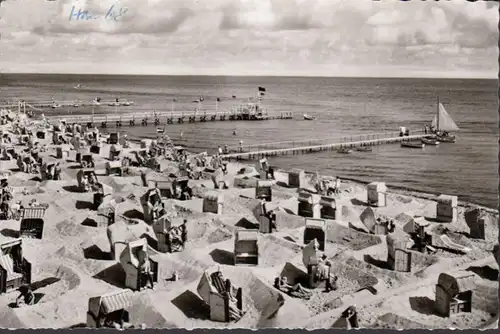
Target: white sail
444	121
434	122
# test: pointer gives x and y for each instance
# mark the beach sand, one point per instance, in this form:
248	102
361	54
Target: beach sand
70	263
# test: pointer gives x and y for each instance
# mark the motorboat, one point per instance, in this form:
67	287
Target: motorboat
126	103
309	117
445	138
412	145
55	105
344	150
430	141
116	103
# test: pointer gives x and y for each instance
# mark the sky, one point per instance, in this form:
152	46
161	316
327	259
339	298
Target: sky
387	38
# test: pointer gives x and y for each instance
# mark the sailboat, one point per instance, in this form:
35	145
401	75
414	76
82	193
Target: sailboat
443	124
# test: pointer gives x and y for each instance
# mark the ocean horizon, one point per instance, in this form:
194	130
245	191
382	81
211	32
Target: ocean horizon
342	107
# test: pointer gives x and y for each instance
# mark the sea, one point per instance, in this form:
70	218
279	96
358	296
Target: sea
341	106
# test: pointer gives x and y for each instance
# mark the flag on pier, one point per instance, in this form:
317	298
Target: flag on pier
262	89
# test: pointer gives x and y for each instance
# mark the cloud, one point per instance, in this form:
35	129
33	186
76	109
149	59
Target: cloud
257	34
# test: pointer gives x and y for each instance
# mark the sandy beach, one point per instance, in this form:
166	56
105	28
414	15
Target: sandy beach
71	262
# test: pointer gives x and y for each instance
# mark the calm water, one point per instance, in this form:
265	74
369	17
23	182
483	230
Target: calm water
342	106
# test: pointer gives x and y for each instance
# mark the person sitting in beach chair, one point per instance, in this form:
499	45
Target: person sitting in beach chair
391	226
268	214
85	183
26	297
145	267
297	290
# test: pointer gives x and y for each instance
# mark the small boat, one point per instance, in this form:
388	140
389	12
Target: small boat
158	130
364	149
309	117
344	150
96	101
55	105
114	104
126	103
446	138
78	86
430	141
412	145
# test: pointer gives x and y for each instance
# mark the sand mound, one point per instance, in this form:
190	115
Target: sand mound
276	251
389	277
263	303
287	221
351	238
72	226
142	312
187	273
66	253
485	298
54	280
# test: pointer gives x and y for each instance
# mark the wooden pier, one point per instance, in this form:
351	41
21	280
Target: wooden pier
346	142
161	118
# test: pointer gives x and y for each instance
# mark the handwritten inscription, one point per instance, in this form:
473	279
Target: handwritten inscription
114	13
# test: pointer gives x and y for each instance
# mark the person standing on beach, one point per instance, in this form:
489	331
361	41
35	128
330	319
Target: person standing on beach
241	145
145	267
337	185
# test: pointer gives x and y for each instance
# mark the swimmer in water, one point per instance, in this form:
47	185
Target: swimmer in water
234	132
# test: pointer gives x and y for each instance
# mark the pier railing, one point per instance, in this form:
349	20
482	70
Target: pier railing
160	117
315	142
344	142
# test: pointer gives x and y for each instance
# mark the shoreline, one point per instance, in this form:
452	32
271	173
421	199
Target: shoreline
400	190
